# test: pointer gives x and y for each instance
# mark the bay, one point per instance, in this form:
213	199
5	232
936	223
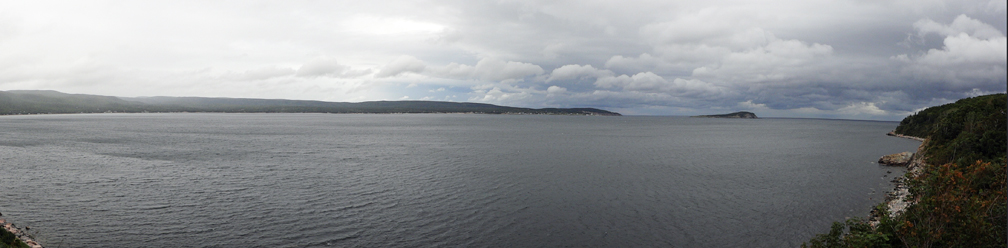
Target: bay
360	180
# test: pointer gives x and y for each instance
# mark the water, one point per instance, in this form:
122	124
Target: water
315	180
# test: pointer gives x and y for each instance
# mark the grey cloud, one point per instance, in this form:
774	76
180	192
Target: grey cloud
650	82
569	72
489	69
266	73
321	67
492	69
961	24
790	58
736	55
973	57
325	67
400	65
555	90
780	61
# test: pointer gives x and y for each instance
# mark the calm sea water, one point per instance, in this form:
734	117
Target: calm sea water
348	180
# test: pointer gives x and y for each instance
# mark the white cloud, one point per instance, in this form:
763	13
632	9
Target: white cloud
749	105
650	82
569	72
961	24
962	48
496	70
400	65
327	67
613	82
489	69
503	94
646	81
973	55
453	70
861	108
643	62
321	67
555	90
778	61
967	41
387	26
266	72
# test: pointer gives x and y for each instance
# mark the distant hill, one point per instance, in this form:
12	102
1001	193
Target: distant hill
53	102
740	115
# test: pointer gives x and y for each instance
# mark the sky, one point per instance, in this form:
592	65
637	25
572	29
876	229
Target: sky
859	59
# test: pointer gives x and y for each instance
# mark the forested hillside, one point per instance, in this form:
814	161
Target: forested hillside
958	193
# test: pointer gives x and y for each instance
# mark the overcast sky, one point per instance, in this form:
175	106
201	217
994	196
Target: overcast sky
862	59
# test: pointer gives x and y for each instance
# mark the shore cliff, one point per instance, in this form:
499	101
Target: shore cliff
953	192
898	199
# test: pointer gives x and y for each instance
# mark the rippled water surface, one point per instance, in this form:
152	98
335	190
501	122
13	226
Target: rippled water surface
313	180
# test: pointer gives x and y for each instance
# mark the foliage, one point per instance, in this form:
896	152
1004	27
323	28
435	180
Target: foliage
962	132
854	232
973	130
8	239
959	195
957	206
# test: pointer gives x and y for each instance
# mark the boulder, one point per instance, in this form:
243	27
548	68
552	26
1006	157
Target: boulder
898	159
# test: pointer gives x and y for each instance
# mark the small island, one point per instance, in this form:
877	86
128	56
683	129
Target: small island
739	115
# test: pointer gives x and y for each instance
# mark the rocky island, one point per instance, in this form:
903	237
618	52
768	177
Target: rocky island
739	115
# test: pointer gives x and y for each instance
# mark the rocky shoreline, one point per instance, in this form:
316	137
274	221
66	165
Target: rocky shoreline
20	234
894	134
897	200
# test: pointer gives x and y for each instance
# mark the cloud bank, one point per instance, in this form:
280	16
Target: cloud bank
822	59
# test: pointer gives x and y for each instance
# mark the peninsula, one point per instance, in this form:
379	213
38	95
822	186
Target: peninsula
16	102
738	115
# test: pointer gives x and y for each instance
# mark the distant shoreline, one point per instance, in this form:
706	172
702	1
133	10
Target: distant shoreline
17	102
340	113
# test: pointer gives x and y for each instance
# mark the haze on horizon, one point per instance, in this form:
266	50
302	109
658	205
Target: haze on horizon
877	60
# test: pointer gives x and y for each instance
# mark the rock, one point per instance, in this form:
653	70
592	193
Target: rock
33	244
899	159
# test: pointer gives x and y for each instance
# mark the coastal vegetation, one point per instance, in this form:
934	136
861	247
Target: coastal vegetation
53	102
958	194
8	239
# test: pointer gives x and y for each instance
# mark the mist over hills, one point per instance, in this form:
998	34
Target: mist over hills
53	102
